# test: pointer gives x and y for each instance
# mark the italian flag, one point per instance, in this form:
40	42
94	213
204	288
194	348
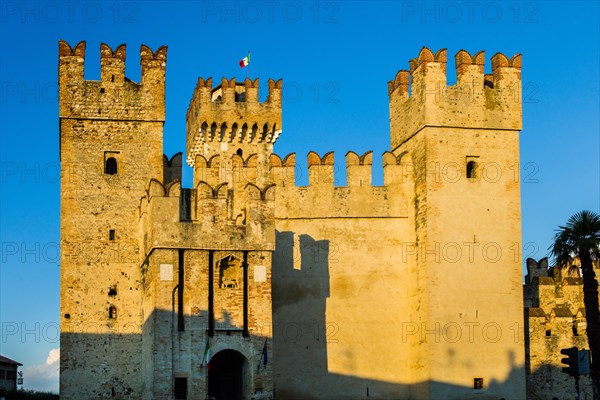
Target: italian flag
245	61
206	359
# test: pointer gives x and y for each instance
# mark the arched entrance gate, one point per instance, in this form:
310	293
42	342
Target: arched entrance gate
226	376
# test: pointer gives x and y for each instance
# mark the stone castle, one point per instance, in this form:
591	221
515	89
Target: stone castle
409	290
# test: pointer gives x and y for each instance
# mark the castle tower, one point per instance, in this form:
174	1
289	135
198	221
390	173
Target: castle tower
208	252
462	144
111	134
229	120
230	136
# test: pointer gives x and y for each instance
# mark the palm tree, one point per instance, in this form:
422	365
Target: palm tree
580	238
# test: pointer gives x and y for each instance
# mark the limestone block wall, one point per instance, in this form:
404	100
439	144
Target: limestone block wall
111	118
342	284
483	214
177	351
347	237
555	320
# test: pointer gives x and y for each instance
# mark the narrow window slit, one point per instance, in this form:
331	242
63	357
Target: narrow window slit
471	170
110	166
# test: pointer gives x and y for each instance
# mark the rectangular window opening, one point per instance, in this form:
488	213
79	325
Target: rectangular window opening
477	383
180	389
472	170
110	162
111	234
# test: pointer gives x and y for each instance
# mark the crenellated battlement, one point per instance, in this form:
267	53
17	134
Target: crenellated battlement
229	92
112	63
358	168
239	171
202	217
113	96
358	199
231	113
229	185
421	96
235	204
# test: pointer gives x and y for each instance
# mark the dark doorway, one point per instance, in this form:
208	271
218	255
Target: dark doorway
225	377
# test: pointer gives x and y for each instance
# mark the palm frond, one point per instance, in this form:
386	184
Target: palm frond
580	233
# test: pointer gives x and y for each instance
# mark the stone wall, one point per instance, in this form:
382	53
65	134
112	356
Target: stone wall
555	319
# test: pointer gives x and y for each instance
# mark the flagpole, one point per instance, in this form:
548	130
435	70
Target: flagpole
248	75
260	360
204	360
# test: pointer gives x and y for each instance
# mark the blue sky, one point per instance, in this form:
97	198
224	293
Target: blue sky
335	59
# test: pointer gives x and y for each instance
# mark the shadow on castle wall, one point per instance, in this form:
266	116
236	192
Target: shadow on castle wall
301	333
112	376
147	365
297	347
548	382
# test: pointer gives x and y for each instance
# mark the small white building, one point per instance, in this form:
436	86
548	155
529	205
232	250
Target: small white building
8	373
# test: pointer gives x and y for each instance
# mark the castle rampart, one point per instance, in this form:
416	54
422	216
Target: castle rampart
555	320
214	199
421	96
113	97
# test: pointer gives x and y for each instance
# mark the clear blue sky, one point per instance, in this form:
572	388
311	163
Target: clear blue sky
335	59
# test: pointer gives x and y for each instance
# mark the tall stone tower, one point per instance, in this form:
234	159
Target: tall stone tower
110	146
462	142
230	137
208	252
